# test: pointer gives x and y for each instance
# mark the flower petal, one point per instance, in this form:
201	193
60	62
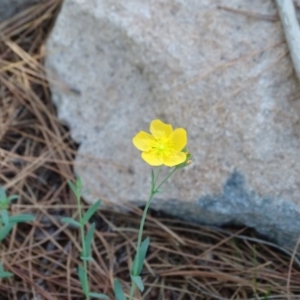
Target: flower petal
143	141
174	159
179	139
160	129
152	159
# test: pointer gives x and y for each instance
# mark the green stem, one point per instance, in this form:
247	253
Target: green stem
141	229
132	289
143	222
156	177
167	177
86	282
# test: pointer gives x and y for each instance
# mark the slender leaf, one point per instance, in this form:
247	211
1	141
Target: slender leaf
12	197
73	188
90	212
2	194
71	221
5	274
5	217
21	218
82	277
118	290
79	184
139	282
5	230
139	259
99	296
135	266
89	239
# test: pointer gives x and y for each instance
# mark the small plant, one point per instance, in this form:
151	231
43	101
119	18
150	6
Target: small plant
86	239
7	222
164	146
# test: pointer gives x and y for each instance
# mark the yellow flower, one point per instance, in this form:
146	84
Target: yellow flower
164	146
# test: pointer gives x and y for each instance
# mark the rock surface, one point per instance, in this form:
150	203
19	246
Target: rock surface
224	76
9	8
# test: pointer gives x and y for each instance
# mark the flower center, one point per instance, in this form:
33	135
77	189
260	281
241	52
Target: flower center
163	147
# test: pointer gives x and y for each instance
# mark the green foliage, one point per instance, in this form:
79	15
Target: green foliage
4	200
5	230
4	274
138	281
7	222
140	257
119	294
76	188
90	212
21	218
71	221
142	247
86	238
82	274
98	296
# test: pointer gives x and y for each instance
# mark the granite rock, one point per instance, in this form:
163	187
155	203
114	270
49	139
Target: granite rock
224	76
